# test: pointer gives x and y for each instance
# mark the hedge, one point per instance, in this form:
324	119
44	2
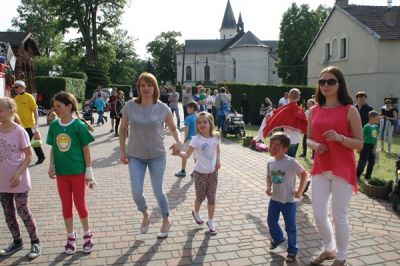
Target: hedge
49	86
125	88
256	94
77	75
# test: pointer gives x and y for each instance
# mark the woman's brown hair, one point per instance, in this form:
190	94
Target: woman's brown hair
342	94
150	78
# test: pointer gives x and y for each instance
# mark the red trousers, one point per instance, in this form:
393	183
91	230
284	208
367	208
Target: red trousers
72	188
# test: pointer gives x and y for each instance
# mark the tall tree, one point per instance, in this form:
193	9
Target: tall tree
163	50
124	69
92	18
298	28
36	16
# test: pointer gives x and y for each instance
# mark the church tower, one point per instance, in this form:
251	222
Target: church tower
228	28
240	24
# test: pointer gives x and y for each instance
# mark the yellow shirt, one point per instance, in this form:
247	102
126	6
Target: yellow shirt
26	106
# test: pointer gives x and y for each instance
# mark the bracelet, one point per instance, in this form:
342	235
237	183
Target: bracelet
342	138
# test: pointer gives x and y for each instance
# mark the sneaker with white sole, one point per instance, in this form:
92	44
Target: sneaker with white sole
12	247
36	250
88	243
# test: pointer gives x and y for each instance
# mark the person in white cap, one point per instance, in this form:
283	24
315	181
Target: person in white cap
27	110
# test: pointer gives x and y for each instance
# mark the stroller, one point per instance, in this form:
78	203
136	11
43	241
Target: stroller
235	124
87	112
395	195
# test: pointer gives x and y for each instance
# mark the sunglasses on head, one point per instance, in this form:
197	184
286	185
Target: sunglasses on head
330	82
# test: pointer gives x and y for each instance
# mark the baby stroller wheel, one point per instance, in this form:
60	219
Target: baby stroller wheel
395	199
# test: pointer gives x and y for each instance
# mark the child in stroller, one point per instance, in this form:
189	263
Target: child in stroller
87	112
235	124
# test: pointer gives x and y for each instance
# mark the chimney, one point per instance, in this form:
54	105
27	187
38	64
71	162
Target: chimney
389	4
342	3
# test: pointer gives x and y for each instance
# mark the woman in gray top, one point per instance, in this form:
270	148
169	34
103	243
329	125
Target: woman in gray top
145	116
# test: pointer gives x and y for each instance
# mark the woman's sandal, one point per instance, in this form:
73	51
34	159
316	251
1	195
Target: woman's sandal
326	255
291	257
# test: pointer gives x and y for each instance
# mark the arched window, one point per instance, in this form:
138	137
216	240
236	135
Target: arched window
234	68
206	72
188	73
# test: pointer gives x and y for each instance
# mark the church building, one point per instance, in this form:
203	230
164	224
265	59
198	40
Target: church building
238	56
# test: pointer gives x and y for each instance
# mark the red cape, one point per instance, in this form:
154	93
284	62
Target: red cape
290	115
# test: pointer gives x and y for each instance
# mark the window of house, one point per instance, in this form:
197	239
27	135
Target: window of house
234	68
188	73
206	72
327	56
334	49
343	47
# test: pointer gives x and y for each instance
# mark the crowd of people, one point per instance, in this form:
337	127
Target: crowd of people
333	129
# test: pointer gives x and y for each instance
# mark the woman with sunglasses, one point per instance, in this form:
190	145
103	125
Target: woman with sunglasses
334	132
387	121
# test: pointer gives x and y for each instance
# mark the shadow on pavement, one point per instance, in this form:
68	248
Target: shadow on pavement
124	258
146	257
187	248
60	259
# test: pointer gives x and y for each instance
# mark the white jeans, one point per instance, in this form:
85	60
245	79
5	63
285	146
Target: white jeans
323	186
386	132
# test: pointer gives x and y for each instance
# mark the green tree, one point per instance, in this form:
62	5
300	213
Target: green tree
92	18
298	28
36	16
163	50
124	69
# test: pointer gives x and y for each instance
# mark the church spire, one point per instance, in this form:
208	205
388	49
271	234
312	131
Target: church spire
240	24
228	28
229	20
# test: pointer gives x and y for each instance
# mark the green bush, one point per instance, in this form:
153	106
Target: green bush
378	182
125	88
78	75
49	86
256	94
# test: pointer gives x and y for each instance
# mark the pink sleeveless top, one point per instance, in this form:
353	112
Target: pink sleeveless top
338	159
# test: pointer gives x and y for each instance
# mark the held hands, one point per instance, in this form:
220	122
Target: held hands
90	181
15	181
175	149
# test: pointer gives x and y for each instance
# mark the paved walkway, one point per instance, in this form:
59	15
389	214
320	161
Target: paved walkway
240	216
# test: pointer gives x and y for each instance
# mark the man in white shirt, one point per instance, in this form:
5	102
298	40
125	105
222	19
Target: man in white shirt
284	100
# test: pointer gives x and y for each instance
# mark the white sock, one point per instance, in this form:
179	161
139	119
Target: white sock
211	223
86	233
197	215
72	235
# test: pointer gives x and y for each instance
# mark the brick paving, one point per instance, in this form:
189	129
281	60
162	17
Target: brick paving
242	237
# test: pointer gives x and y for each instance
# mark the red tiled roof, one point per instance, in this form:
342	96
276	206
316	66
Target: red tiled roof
381	20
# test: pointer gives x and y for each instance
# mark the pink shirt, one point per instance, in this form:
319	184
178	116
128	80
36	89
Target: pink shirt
338	159
12	156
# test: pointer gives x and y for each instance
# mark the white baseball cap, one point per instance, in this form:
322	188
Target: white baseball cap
20	83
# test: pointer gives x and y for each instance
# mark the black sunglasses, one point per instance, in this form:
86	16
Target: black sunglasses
330	82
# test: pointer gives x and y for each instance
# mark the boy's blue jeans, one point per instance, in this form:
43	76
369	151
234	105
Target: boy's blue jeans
137	170
289	215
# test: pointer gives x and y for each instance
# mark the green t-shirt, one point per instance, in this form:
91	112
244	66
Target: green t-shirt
370	133
67	141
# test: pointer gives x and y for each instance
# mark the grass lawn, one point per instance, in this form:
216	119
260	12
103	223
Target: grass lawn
383	169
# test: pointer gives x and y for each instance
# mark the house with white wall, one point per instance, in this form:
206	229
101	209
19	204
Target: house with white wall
237	56
364	42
